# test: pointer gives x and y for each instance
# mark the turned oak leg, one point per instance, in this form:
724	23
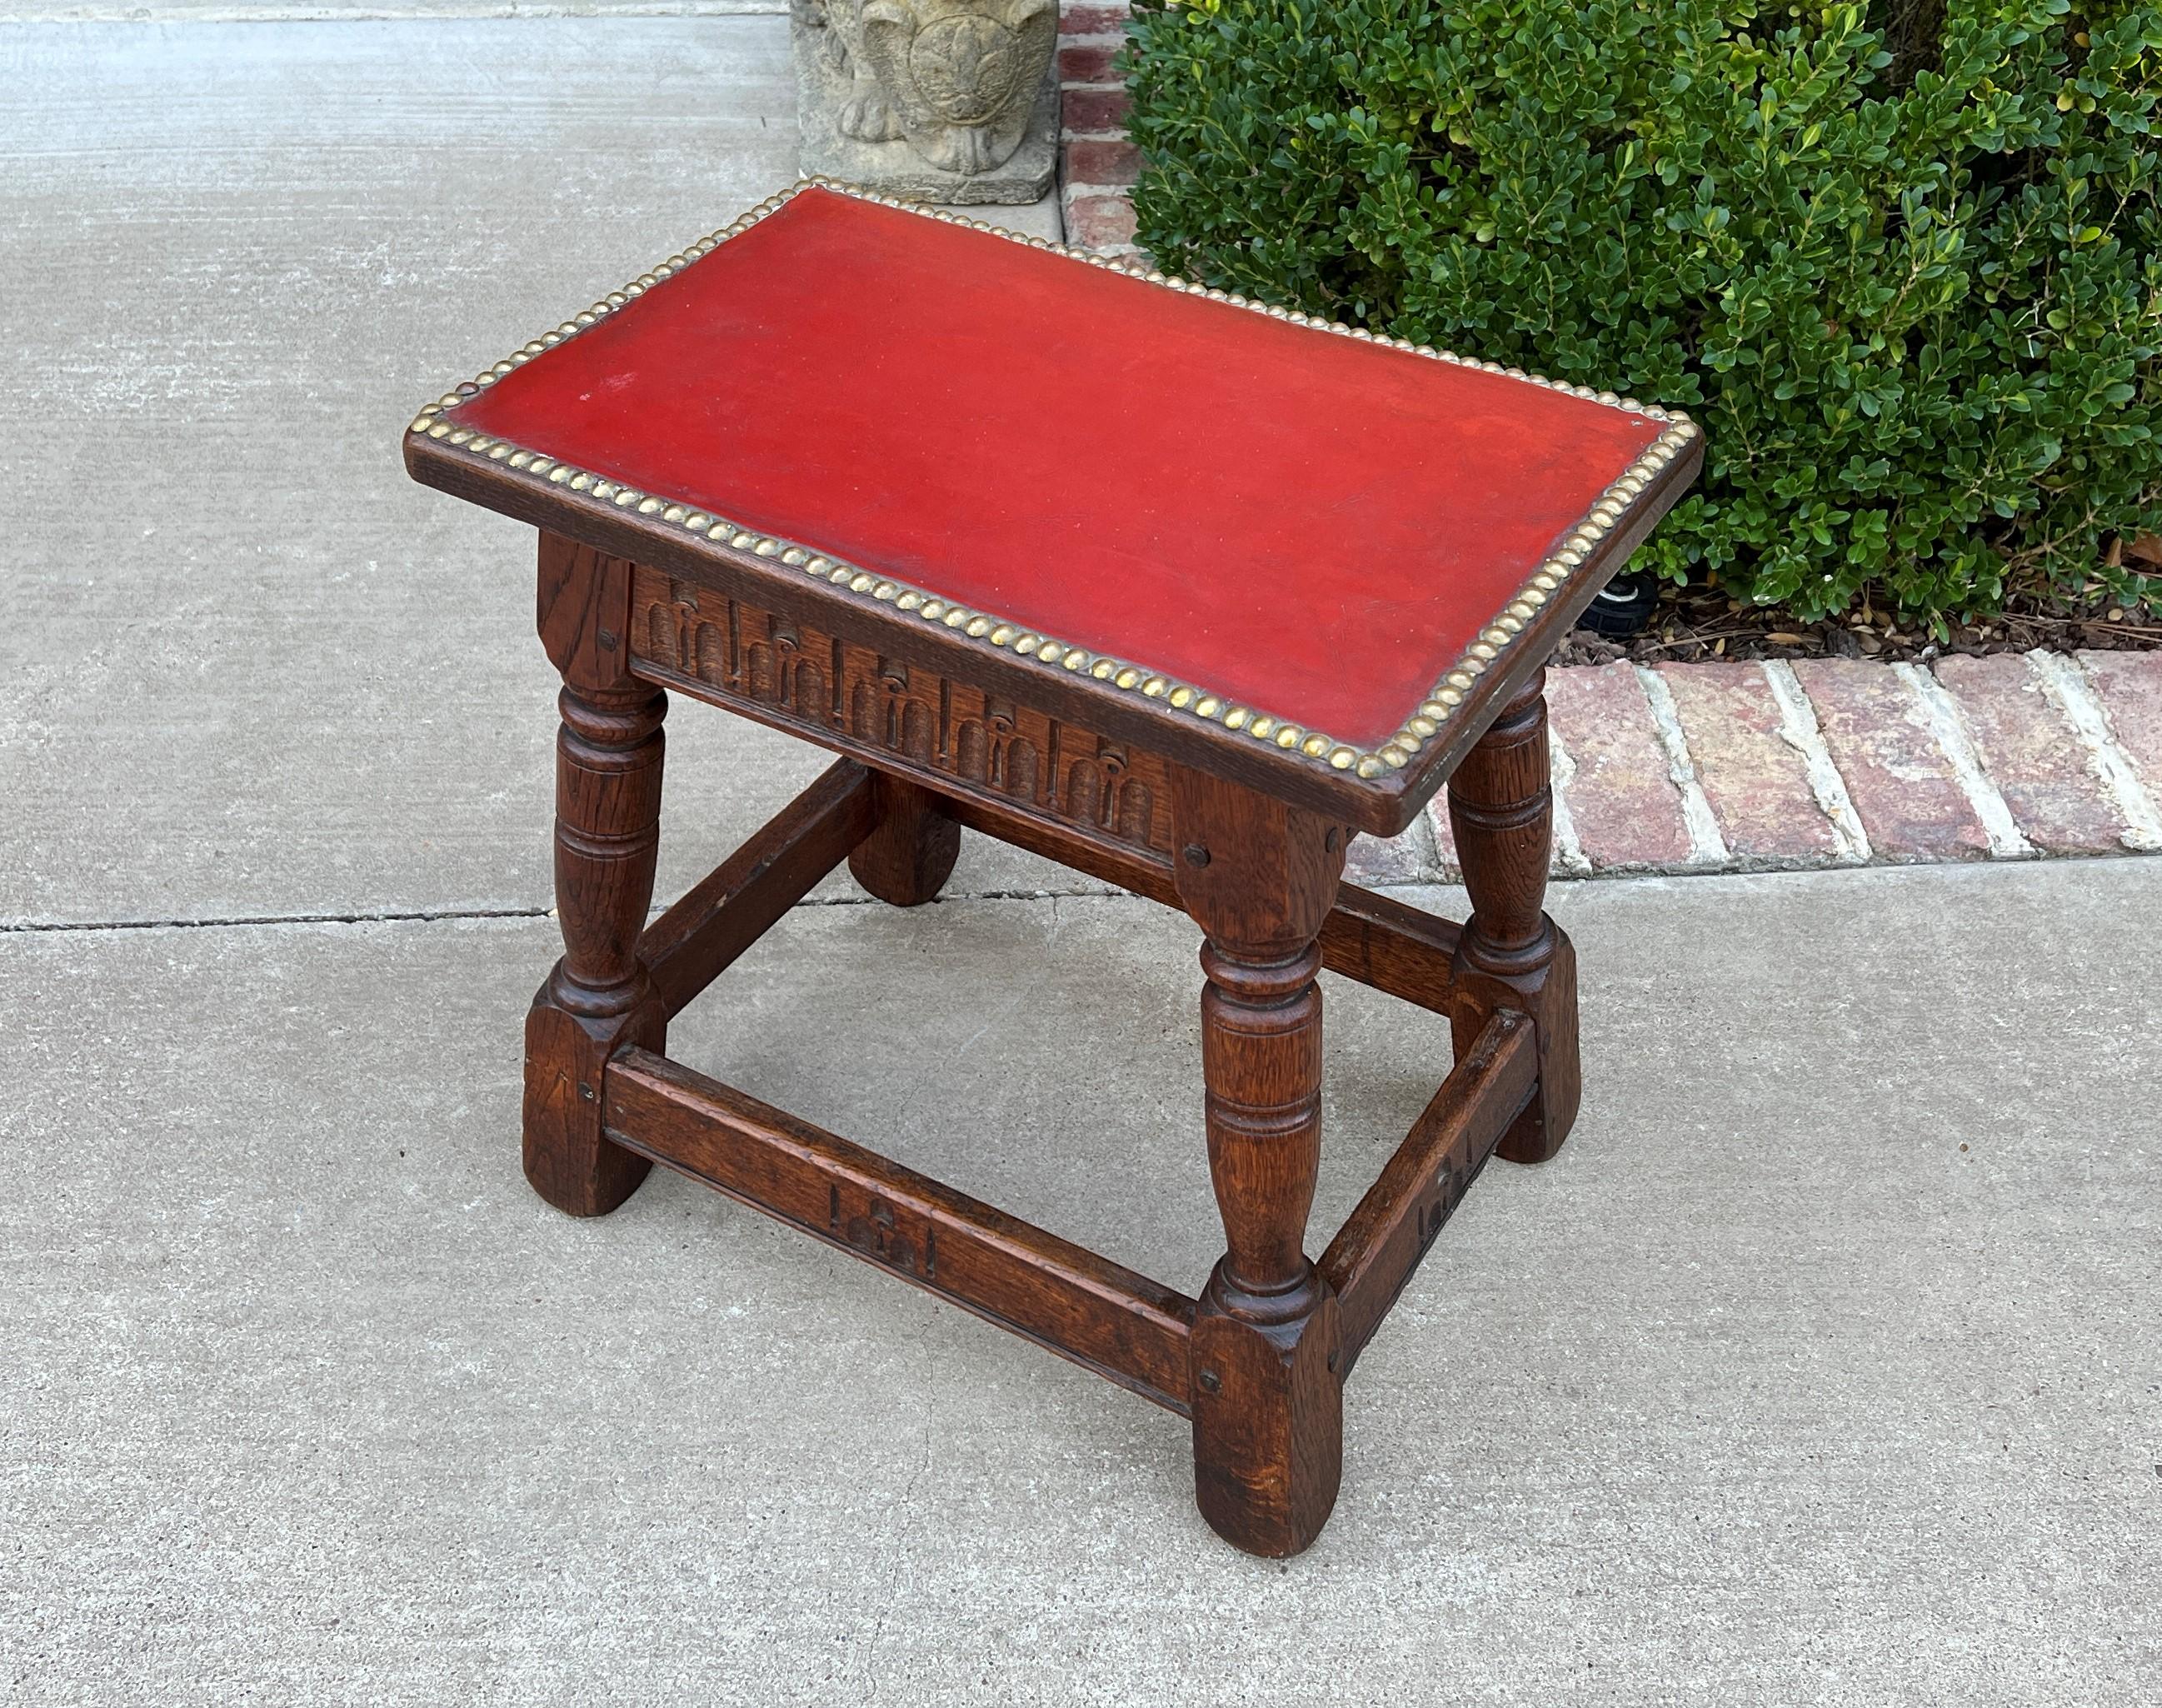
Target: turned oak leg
911	853
1260	878
599	998
1501	805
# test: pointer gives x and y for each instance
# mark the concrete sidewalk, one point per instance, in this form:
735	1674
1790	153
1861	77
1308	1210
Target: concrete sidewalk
1820	1367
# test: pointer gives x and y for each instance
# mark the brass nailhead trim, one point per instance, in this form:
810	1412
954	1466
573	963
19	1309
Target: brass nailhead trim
1578	543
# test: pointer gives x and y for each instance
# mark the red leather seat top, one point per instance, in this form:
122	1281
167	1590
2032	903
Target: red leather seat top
1312	524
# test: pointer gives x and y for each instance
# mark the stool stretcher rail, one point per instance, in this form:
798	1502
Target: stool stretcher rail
1368	939
1121	1325
1379	1248
735	904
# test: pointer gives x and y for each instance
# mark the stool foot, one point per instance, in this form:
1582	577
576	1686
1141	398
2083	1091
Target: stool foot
567	1159
909	857
1268	1420
1511	955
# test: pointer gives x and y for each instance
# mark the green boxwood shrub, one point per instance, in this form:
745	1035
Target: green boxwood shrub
1903	261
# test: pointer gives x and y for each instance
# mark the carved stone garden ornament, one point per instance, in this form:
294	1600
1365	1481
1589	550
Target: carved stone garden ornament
943	99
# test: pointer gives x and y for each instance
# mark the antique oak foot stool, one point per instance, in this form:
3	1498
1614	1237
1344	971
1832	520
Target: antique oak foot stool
1179	589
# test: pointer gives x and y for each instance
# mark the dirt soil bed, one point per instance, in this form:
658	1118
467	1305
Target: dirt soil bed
1697	625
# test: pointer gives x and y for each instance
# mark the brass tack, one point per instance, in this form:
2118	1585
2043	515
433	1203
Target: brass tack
1102	669
582	482
743	538
1451	696
1289	736
1460	678
1128	676
498	451
909	601
814	565
441	430
1025	646
885	592
1495	635
861	583
541	465
1315	745
1510	624
674	513
421	424
978	627
1340	758
720	530
1483	651
1394	757
1421	727
561	473
1474	665
1235	718
1075	658
933	610
1207	706
646	506
1369	767
843	572
958	617
1261	728
795	556
462	436
1001	634
767	547
1610	397
1181	697
1154	687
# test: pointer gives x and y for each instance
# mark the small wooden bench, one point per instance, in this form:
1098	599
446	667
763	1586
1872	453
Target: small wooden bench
1178	589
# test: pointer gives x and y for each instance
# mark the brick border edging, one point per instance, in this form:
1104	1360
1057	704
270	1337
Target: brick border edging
1097	165
1748	767
1690	768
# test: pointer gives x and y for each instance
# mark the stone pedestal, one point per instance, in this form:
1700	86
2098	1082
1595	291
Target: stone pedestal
946	101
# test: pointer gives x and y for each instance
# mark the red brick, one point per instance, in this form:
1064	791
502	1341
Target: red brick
1758	786
1093	112
1100	222
2030	751
2129	686
1088	62
1400	860
1093	17
1909	801
1626	807
1445	834
1092	161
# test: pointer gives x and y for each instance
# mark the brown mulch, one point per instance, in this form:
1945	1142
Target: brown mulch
1697	625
